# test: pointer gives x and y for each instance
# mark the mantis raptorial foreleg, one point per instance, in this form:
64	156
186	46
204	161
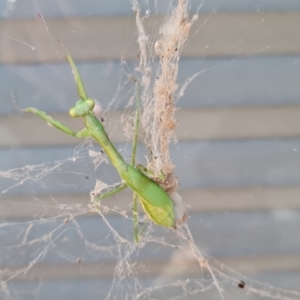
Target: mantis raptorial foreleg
133	156
79	134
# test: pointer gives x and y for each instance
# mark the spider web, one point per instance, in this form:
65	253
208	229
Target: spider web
70	248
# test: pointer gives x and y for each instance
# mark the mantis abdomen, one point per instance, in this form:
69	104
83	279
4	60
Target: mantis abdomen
156	202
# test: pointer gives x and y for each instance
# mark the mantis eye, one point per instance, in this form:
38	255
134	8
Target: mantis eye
89	104
73	112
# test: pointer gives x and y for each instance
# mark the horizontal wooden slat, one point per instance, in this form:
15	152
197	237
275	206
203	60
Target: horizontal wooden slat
196	201
67	8
247	81
224	34
193	124
239	122
199	164
246	265
218	234
159	289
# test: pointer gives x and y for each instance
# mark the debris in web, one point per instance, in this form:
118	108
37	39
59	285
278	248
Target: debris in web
58	234
159	84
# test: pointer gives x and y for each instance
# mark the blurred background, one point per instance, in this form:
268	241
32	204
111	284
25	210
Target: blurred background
237	156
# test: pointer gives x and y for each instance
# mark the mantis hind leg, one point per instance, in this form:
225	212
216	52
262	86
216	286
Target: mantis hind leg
133	156
114	190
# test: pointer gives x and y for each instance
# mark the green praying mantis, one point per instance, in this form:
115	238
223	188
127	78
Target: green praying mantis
155	201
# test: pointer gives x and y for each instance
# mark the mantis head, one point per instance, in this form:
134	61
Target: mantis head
82	108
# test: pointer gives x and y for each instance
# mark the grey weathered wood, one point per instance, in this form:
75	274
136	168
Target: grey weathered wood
96	289
219	235
68	8
87	38
223	82
197	200
241	181
193	124
157	267
239	163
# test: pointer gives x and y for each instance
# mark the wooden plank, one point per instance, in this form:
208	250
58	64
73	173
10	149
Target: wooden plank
105	270
67	8
193	124
224	34
238	163
239	123
199	164
196	200
160	288
251	81
219	235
